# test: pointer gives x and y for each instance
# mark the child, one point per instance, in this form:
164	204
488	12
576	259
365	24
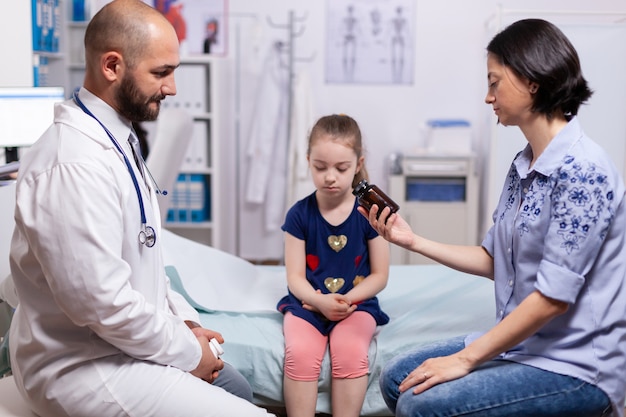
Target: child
329	249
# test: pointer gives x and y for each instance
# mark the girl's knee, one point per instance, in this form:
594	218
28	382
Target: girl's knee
302	364
347	363
304	349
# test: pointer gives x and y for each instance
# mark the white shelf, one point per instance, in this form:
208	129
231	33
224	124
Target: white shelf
50	55
199	83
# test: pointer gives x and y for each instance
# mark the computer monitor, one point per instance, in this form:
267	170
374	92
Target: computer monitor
25	113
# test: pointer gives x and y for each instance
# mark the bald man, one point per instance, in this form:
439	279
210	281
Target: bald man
98	330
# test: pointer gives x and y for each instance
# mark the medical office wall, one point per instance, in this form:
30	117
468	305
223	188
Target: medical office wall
448	81
18	72
19	69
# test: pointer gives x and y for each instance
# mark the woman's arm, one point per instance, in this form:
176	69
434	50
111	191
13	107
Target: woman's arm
470	259
530	316
524	321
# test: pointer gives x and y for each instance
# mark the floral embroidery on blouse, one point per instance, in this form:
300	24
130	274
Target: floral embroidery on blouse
581	202
533	202
513	189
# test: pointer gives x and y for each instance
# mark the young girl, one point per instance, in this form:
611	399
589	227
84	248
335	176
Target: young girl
336	264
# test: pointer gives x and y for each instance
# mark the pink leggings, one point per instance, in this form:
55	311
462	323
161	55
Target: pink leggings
348	342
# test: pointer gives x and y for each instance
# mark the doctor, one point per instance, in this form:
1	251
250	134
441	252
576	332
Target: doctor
98	331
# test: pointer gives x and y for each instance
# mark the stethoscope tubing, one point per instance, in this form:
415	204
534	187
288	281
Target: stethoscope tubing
147	235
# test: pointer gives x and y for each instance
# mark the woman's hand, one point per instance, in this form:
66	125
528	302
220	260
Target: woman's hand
392	227
435	371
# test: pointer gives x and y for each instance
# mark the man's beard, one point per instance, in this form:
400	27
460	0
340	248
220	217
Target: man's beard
135	106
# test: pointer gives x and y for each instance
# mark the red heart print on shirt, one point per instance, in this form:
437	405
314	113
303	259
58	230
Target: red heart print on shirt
312	262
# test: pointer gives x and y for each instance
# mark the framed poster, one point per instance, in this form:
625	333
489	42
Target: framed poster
200	24
370	41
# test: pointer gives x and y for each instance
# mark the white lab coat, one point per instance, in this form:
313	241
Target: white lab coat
268	131
267	148
299	181
90	294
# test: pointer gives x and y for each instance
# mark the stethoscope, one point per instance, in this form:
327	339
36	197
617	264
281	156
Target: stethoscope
147	235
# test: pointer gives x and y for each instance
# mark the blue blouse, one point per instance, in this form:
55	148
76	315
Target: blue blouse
337	258
560	228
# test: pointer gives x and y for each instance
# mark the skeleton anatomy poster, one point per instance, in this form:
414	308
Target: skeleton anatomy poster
370	41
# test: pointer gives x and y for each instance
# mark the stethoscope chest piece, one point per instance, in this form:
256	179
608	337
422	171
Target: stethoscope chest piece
147	236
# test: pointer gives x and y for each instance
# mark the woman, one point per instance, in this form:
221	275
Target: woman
555	252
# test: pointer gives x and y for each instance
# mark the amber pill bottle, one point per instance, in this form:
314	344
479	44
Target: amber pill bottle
369	194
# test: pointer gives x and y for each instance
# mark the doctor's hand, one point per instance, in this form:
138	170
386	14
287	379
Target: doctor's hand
209	334
209	366
392	227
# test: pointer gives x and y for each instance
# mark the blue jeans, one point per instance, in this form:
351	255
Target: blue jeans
495	389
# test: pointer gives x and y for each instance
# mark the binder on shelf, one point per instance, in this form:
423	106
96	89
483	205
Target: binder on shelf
46	21
198	198
37	25
197	156
191	90
200	145
36	66
191	200
56	26
189	160
47	25
79	11
40	71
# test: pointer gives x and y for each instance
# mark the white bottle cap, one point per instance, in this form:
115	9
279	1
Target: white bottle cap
216	348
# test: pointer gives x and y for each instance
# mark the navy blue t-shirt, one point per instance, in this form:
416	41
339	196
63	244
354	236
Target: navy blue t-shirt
336	256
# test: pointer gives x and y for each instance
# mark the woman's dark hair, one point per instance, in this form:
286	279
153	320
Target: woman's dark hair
538	51
344	129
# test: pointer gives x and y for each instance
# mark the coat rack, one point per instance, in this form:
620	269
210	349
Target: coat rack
288	48
284	55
